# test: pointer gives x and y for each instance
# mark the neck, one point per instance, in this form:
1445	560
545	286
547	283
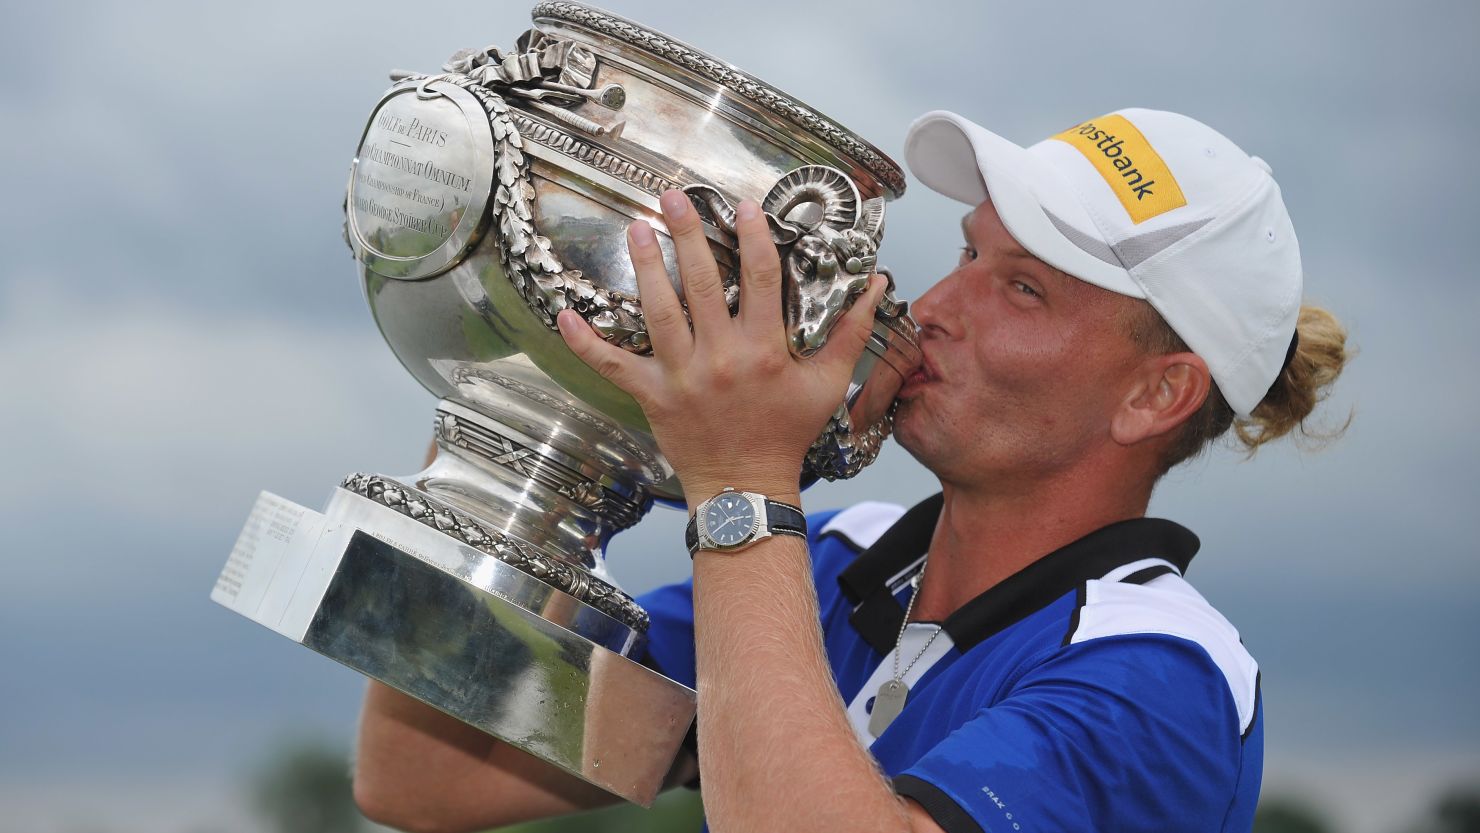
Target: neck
986	535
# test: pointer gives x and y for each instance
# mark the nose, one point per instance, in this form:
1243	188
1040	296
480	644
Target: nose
931	310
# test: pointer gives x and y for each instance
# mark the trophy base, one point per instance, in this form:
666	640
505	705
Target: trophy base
463	632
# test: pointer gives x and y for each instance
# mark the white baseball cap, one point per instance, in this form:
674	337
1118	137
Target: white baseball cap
1149	204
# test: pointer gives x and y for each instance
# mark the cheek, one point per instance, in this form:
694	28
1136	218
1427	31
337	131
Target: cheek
1018	352
1040	379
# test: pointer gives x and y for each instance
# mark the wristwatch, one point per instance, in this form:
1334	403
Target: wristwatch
733	520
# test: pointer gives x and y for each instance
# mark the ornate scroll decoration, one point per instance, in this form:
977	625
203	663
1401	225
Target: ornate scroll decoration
841	452
550	73
829	237
434	513
613	508
608	430
603	159
730	78
830	240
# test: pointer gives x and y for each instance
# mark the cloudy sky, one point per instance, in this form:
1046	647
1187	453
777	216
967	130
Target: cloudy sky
180	326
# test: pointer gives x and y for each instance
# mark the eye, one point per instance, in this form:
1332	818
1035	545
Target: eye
1026	289
968	254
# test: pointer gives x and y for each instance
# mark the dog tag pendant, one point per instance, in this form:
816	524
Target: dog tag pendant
888	703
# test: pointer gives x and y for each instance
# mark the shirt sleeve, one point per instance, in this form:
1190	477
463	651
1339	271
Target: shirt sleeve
670	635
1123	733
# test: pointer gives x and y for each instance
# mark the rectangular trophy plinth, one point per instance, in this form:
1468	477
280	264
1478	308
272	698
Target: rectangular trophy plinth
410	607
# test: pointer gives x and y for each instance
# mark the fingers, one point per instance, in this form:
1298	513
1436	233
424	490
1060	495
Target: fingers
850	336
662	313
696	268
612	362
760	274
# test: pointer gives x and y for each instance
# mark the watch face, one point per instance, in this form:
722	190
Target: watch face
728	519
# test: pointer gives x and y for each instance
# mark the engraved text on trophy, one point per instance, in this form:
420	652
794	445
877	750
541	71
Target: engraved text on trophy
415	182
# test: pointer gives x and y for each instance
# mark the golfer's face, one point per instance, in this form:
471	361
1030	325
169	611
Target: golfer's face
1023	364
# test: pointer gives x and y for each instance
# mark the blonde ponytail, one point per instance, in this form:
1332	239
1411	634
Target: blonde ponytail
1319	358
1320	355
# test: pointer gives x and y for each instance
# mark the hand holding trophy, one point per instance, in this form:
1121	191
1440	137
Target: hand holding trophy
482	202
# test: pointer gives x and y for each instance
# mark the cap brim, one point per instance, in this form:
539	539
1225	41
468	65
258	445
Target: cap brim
964	161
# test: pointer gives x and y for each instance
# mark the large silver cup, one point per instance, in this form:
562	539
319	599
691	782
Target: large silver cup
482	201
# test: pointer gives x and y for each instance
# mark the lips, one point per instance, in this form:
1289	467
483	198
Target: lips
923	375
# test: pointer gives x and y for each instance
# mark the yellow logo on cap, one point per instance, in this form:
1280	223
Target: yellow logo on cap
1143	183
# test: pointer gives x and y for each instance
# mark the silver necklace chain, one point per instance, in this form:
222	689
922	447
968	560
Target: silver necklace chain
909	608
893	694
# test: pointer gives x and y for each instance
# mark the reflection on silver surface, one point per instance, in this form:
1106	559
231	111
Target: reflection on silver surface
495	665
404	602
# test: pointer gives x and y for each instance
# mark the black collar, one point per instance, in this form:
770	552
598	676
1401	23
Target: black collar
877	616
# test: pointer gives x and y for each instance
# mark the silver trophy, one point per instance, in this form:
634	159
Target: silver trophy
482	201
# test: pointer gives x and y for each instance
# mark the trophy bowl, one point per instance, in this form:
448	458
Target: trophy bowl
481	202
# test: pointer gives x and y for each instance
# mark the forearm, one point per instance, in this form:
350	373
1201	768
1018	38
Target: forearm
419	769
775	746
407	754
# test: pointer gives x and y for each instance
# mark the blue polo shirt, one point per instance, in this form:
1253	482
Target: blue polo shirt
1093	690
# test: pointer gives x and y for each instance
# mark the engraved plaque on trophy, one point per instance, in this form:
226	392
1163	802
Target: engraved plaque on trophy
483	200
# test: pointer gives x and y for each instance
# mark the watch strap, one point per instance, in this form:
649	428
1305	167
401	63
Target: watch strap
781	519
691	534
785	519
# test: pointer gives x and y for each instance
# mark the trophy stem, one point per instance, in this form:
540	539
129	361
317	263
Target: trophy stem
524	502
565	506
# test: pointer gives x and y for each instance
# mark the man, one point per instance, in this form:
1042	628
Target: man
1128	290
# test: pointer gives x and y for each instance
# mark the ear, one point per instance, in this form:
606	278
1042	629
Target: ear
1164	392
